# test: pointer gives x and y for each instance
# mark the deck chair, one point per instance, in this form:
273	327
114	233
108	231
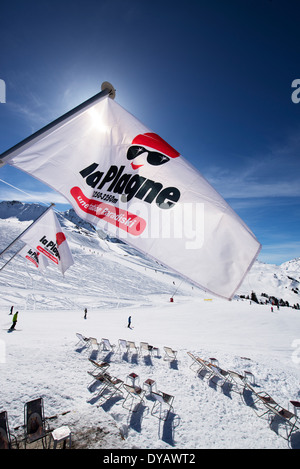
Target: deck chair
262	398
98	367
144	346
285	416
82	340
5	435
93	344
106	345
219	373
170	354
239	382
163	404
112	384
197	364
122	344
35	425
134	394
131	346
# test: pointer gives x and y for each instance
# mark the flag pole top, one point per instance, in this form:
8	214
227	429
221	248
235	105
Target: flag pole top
109	86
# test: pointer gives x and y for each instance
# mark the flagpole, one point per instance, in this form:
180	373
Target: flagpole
12	258
106	89
13	242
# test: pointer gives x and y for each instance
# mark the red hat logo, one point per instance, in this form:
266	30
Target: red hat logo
142	150
60	238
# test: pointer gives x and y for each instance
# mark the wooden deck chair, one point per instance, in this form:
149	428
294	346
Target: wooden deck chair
93	344
134	394
170	354
122	344
98	368
97	379
162	406
219	373
35	425
82	340
144	346
262	398
239	382
285	416
112	384
131	346
5	435
106	345
197	364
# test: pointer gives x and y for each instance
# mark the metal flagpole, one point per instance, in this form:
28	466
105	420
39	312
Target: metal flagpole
107	89
13	242
11	258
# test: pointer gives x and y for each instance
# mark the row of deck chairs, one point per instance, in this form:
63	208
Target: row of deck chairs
125	345
35	426
263	403
134	395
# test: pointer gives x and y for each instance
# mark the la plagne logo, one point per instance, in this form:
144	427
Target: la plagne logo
117	183
49	247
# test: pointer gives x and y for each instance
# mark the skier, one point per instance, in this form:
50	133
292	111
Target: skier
11	310
129	321
14	321
85	313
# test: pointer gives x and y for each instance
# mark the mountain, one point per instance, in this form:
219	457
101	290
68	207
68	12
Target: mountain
106	266
105	273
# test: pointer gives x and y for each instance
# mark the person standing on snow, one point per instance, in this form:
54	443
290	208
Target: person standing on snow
15	319
11	310
129	321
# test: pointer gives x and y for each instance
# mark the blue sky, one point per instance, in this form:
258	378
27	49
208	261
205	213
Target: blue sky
212	77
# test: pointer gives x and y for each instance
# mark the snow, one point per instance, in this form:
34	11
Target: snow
42	358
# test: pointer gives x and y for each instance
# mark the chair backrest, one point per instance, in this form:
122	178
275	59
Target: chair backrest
34	418
158	397
237	376
144	345
131	344
135	390
4	431
123	343
170	352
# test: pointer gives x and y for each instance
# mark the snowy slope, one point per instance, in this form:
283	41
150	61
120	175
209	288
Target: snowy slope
42	357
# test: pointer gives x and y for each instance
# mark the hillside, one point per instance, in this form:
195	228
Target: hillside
42	357
97	256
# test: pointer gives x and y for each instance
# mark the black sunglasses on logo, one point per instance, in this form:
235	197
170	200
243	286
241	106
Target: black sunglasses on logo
153	157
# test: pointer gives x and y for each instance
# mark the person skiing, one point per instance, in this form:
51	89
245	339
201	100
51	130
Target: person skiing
85	313
129	321
14	321
11	310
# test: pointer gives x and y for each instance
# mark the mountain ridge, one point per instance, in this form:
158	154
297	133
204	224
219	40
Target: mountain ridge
267	281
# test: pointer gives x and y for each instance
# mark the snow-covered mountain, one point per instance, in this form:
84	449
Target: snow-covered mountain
106	273
43	358
106	265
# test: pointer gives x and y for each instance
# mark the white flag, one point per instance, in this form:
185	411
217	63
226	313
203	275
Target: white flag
35	257
121	176
47	238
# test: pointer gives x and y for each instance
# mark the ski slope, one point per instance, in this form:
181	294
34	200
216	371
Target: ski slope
43	357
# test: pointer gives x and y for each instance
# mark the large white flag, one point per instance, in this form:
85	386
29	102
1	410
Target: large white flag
47	239
35	257
123	177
